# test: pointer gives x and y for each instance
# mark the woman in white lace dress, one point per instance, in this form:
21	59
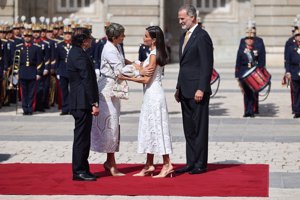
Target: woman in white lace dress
154	135
105	134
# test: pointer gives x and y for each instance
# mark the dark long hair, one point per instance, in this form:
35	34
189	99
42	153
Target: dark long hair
155	32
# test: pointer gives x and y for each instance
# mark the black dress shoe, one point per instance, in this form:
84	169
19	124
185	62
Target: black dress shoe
64	113
297	116
198	170
246	115
93	175
83	177
184	169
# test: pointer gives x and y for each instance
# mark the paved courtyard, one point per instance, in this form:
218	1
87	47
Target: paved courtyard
272	137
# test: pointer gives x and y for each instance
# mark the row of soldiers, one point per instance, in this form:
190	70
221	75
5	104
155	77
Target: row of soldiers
33	58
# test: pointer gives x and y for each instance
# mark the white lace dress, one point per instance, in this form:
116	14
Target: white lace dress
154	135
105	133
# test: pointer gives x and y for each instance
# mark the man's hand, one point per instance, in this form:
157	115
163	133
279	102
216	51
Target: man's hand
288	76
199	96
177	95
95	111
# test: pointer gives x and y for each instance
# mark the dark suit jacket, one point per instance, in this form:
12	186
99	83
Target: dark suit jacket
196	64
83	82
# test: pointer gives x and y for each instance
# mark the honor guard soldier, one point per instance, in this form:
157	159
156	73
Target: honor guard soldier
10	96
98	51
293	71
40	85
56	27
144	51
2	63
247	58
17	34
290	42
97	55
29	70
63	49
52	77
260	46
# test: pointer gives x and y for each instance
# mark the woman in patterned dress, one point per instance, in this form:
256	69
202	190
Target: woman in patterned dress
105	134
154	135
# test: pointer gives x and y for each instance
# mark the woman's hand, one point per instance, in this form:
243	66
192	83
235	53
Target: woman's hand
147	71
122	77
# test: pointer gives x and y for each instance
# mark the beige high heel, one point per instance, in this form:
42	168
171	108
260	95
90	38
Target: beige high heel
146	171
166	173
112	170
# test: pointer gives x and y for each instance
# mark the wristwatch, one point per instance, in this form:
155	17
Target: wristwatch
95	104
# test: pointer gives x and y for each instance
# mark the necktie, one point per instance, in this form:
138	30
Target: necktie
186	39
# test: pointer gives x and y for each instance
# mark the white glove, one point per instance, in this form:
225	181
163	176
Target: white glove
45	72
57	76
97	71
38	77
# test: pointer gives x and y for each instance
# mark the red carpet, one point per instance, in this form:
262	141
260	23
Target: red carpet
55	179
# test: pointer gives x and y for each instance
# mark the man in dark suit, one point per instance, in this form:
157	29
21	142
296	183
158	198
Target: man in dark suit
193	88
83	103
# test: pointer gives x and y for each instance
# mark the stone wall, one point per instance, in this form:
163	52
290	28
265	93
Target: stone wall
135	16
7	10
274	21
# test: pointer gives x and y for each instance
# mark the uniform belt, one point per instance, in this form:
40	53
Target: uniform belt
295	65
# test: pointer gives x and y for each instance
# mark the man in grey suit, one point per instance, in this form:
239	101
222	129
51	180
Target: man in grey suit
193	89
83	102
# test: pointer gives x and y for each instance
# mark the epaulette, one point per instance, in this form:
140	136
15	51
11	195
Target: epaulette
37	45
4	40
18	45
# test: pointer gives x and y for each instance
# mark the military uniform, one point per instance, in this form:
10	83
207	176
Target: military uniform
41	83
30	68
290	42
293	68
63	49
250	56
97	53
144	51
259	46
2	57
10	46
